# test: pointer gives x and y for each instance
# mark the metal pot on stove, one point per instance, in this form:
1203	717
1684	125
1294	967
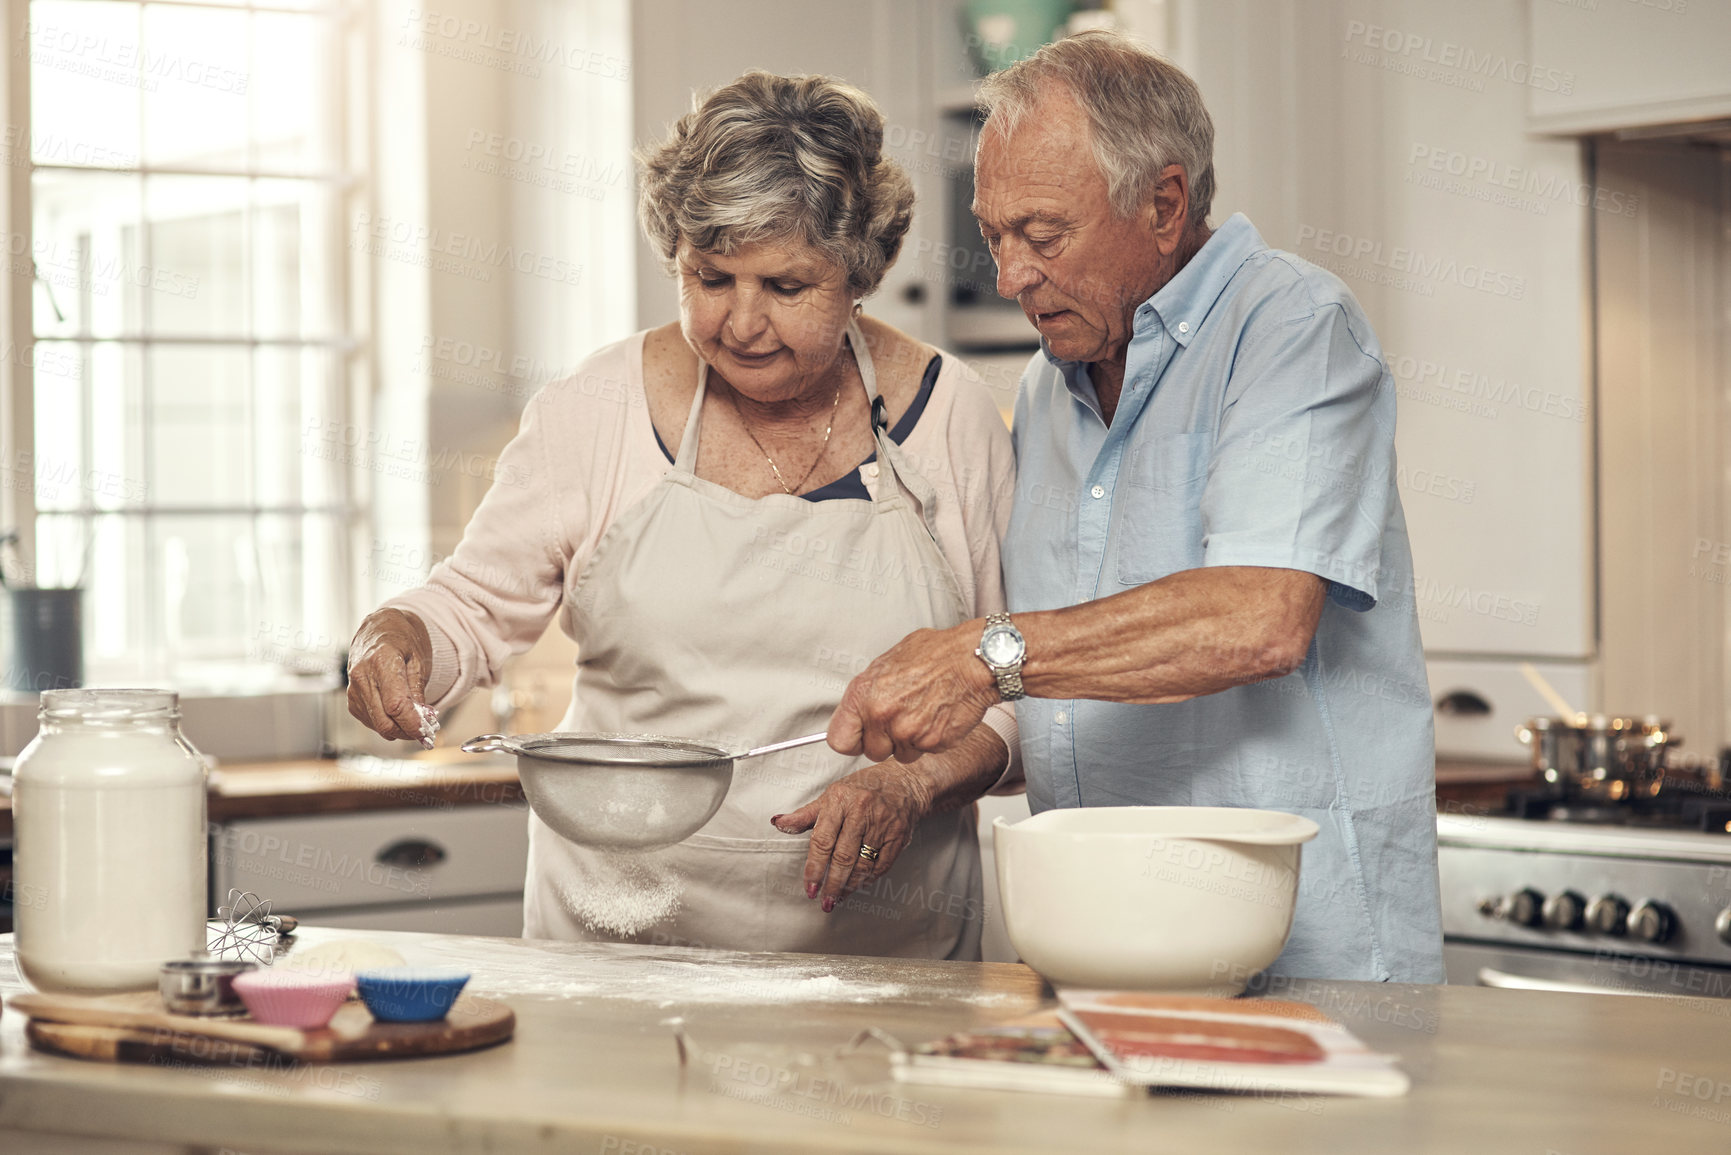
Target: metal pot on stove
1597	757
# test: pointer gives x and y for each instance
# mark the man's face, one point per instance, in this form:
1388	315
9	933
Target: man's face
1077	269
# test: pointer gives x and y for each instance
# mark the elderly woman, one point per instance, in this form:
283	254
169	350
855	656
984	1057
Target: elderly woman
731	516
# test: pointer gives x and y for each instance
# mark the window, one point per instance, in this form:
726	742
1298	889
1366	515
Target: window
190	175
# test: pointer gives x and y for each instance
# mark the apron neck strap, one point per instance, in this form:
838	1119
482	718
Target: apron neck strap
686	459
889	453
863	357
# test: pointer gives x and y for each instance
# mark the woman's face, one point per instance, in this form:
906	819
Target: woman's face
769	318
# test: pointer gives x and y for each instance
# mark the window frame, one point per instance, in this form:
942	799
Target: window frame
349	346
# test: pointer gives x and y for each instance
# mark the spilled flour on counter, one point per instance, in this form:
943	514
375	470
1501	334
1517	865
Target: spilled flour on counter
623	893
671	984
740	985
679	976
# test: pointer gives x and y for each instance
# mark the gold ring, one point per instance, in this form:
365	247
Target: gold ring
869	853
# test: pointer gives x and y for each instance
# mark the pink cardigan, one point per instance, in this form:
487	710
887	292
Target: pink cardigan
587	451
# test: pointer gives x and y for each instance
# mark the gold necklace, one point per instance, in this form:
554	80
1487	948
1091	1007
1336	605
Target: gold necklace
824	448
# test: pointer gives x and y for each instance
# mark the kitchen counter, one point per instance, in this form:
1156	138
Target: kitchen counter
447	777
594	1068
443	778
1473	786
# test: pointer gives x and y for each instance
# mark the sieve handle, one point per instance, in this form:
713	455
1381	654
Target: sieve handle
788	745
487	744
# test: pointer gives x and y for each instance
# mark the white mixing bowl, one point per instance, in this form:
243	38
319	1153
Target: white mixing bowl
1185	899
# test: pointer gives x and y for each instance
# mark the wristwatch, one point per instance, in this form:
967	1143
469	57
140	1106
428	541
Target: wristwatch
1002	648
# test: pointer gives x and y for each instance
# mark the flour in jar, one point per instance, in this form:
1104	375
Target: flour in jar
623	892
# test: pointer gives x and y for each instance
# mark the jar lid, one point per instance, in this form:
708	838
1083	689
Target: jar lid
108	705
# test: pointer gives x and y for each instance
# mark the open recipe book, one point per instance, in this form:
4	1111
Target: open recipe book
1120	1042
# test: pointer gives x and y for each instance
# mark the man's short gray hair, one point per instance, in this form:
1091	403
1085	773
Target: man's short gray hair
774	158
1145	113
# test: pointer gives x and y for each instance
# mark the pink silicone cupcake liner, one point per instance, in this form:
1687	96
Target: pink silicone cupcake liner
281	998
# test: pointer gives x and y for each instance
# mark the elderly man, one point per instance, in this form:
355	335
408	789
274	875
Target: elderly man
1207	566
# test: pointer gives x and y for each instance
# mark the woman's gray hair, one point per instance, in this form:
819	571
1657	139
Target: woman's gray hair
772	158
1145	113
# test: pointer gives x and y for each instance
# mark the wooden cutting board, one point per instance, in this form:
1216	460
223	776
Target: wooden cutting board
133	1027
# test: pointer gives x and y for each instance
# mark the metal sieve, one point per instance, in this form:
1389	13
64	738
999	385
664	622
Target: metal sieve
623	791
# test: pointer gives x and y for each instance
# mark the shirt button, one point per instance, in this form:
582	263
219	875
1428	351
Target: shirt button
871	470
1184	326
1061	717
1098	491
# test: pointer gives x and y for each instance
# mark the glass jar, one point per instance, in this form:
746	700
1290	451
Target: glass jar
110	859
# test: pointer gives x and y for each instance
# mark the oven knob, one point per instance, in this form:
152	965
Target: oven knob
1608	914
1563	911
1722	924
1652	921
1523	907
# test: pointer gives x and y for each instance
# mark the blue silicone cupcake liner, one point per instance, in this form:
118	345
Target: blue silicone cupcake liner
409	994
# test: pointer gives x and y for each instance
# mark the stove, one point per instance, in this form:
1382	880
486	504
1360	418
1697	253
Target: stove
1677	804
1566	894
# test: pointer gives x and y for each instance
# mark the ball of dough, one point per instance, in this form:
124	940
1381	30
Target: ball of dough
348	955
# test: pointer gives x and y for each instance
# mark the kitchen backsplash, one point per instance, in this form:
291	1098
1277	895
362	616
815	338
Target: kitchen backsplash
229	729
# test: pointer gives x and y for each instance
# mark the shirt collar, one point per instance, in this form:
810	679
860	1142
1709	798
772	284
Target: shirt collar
1181	303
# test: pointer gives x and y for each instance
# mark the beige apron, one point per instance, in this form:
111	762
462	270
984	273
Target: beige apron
707	614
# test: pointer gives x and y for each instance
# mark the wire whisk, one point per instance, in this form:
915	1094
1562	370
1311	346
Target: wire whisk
245	929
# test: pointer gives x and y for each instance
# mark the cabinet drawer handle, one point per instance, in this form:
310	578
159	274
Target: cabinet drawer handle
1463	704
412	853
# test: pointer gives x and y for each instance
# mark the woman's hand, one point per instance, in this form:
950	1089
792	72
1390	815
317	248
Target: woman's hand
876	806
389	662
880	805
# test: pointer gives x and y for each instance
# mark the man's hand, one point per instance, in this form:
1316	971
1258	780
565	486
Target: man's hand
925	694
1187	634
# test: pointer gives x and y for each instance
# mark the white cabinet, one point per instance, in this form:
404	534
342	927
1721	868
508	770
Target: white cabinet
1600	65
456	871
1508	699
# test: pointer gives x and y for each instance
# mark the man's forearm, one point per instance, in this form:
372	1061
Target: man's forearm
1186	635
1183	636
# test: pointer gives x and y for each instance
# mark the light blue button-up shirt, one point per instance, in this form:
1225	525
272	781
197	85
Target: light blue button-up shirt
1255	428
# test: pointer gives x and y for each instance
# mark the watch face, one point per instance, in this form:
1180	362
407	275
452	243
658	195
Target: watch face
1001	647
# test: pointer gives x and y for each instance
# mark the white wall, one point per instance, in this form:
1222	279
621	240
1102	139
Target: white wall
1664	436
1345	138
684	47
1326	139
503	186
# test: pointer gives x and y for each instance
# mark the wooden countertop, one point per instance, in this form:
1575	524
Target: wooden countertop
448	777
361	782
442	777
1464	786
594	1069
1452	771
